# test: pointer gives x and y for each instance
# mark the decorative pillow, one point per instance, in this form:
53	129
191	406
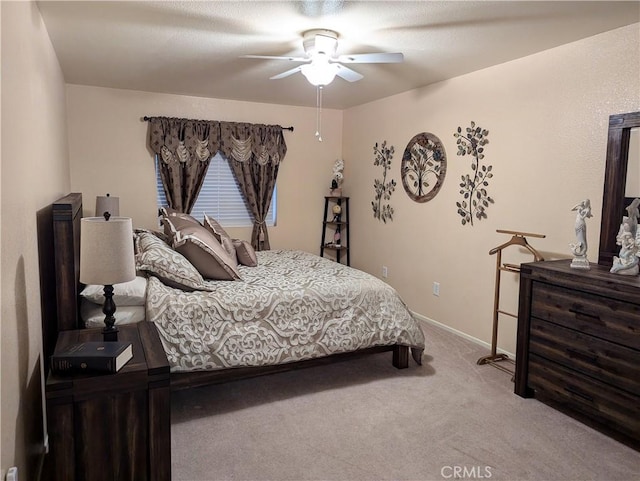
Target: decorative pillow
165	210
130	293
245	252
168	211
157	258
145	240
161	235
204	251
179	221
93	316
219	233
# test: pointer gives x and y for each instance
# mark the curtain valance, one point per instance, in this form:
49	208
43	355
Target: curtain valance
182	140
243	142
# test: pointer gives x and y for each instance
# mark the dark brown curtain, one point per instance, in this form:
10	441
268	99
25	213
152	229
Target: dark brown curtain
254	152
184	148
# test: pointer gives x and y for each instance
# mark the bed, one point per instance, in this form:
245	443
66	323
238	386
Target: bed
293	309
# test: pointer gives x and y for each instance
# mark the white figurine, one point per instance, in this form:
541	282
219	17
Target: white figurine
626	263
338	167
579	249
338	177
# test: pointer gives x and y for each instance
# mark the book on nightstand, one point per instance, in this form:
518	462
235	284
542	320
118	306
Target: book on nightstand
106	357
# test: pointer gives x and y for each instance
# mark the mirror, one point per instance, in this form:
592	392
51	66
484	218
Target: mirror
633	165
621	179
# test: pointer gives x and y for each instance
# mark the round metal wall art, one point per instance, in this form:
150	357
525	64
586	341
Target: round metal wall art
423	168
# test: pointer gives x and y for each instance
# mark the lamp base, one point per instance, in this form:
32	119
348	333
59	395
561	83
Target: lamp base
110	335
110	331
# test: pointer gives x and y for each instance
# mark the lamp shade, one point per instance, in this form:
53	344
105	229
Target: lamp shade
106	251
107	203
319	71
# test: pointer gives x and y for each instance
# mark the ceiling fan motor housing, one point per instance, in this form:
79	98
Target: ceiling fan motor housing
320	41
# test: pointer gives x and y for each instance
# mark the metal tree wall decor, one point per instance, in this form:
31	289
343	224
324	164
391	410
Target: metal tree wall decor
424	165
383	189
473	187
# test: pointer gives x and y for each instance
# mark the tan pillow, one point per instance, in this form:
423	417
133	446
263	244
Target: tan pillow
167	211
179	221
245	252
219	233
204	251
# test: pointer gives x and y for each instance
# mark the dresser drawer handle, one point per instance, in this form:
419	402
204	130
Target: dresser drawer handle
581	355
584	314
578	393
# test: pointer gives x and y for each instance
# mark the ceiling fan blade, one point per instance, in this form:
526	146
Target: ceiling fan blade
287	73
380	57
273	57
348	74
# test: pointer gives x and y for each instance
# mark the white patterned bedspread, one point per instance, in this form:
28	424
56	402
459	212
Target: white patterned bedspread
292	306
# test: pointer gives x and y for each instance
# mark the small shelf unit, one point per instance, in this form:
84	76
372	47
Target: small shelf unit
335	229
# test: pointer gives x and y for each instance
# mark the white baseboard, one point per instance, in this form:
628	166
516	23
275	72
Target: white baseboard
460	333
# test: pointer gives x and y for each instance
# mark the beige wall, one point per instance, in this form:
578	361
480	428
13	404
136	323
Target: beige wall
547	118
35	171
108	153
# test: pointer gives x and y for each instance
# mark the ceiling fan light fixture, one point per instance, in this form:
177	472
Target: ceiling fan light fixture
319	72
321	65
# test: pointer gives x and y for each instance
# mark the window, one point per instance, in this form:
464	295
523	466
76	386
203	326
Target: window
220	197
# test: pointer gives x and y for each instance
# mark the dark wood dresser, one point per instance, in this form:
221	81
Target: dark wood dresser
112	426
578	345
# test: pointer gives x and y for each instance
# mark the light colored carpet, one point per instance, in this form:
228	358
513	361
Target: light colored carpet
365	420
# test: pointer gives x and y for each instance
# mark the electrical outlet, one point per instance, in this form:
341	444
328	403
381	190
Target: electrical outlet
385	272
436	288
12	474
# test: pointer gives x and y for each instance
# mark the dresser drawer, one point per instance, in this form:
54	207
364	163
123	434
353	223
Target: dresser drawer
613	407
599	316
611	363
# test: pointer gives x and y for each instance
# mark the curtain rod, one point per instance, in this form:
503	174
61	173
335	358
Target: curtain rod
147	119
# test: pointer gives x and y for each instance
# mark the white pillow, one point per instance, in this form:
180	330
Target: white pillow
130	293
93	316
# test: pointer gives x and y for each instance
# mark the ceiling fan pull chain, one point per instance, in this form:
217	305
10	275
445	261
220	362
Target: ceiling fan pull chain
319	113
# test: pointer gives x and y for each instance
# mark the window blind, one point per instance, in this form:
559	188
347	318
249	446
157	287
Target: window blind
220	197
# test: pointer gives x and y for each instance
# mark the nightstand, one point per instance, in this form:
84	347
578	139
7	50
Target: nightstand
112	426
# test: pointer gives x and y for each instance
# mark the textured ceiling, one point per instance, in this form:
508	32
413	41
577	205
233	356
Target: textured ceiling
194	48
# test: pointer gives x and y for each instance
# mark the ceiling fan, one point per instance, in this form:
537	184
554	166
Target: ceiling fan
321	64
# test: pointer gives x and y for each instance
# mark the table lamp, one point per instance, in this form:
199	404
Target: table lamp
106	258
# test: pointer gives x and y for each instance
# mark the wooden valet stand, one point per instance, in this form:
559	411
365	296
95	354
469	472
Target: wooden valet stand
517	239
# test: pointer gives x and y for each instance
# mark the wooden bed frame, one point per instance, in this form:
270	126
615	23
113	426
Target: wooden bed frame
67	213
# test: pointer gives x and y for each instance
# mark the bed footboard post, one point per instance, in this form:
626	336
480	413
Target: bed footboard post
400	357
